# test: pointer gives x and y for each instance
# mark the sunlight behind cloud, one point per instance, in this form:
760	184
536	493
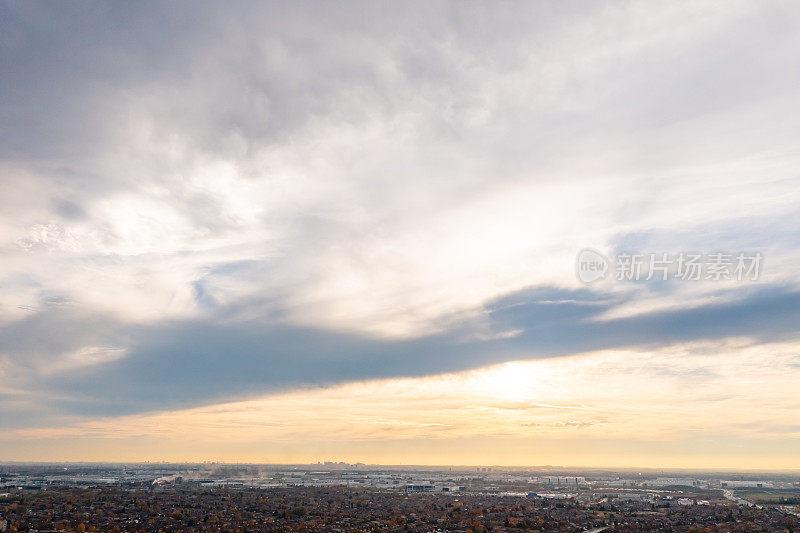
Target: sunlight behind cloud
695	388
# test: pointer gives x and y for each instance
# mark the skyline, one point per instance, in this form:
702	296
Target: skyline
279	233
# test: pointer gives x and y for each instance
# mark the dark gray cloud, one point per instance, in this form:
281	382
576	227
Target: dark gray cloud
193	362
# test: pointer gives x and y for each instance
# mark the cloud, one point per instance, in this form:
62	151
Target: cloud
209	203
182	363
562	401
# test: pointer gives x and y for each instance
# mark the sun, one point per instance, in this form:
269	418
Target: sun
513	381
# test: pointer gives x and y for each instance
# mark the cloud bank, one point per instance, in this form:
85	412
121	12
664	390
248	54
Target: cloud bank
212	202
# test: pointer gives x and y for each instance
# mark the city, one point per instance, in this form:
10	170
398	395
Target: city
340	497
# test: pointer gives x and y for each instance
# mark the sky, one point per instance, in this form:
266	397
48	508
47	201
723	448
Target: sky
292	232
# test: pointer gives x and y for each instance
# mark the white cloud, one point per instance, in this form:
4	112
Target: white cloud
382	170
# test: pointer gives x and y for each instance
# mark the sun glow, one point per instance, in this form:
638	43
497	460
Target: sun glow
526	408
512	381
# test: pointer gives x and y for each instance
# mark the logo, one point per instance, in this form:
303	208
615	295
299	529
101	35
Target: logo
591	265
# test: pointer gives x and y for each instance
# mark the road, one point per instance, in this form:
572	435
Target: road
729	494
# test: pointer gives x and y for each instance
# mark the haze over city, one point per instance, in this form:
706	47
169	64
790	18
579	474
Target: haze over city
401	233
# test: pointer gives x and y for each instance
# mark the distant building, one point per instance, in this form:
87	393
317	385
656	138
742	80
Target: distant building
562	480
753	484
428	487
620	483
672	482
634	496
420	488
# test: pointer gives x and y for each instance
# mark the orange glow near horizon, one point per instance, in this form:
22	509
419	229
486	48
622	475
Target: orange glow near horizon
674	404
